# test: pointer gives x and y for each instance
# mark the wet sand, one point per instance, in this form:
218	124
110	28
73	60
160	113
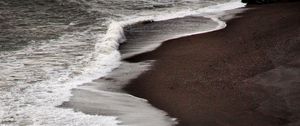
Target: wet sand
244	75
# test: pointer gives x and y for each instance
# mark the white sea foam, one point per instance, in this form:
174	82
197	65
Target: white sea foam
34	84
34	104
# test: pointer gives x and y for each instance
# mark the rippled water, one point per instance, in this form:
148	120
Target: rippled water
51	46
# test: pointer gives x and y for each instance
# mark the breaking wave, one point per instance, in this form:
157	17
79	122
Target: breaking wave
40	77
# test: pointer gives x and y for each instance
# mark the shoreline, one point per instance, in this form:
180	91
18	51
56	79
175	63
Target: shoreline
102	90
220	79
105	96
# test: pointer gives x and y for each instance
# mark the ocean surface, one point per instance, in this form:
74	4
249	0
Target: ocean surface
50	48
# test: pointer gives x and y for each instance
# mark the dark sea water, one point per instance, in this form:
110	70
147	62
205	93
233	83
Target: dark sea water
49	47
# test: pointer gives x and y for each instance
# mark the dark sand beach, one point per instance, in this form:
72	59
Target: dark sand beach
247	74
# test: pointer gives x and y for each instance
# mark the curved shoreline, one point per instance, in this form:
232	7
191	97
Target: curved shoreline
92	98
213	80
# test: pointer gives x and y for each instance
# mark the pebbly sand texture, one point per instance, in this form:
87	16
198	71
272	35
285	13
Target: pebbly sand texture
247	74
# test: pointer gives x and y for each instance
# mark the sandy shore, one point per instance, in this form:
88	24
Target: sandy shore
244	75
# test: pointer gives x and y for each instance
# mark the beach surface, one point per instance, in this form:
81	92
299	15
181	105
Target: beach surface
244	75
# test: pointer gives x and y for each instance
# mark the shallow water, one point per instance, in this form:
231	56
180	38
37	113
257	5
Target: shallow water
50	47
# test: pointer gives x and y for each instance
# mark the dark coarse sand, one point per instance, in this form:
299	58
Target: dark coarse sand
247	74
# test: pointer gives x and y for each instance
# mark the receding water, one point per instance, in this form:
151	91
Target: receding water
49	47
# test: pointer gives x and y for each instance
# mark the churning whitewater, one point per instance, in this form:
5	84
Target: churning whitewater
38	77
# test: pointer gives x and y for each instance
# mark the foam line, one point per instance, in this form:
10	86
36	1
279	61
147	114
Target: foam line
34	104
